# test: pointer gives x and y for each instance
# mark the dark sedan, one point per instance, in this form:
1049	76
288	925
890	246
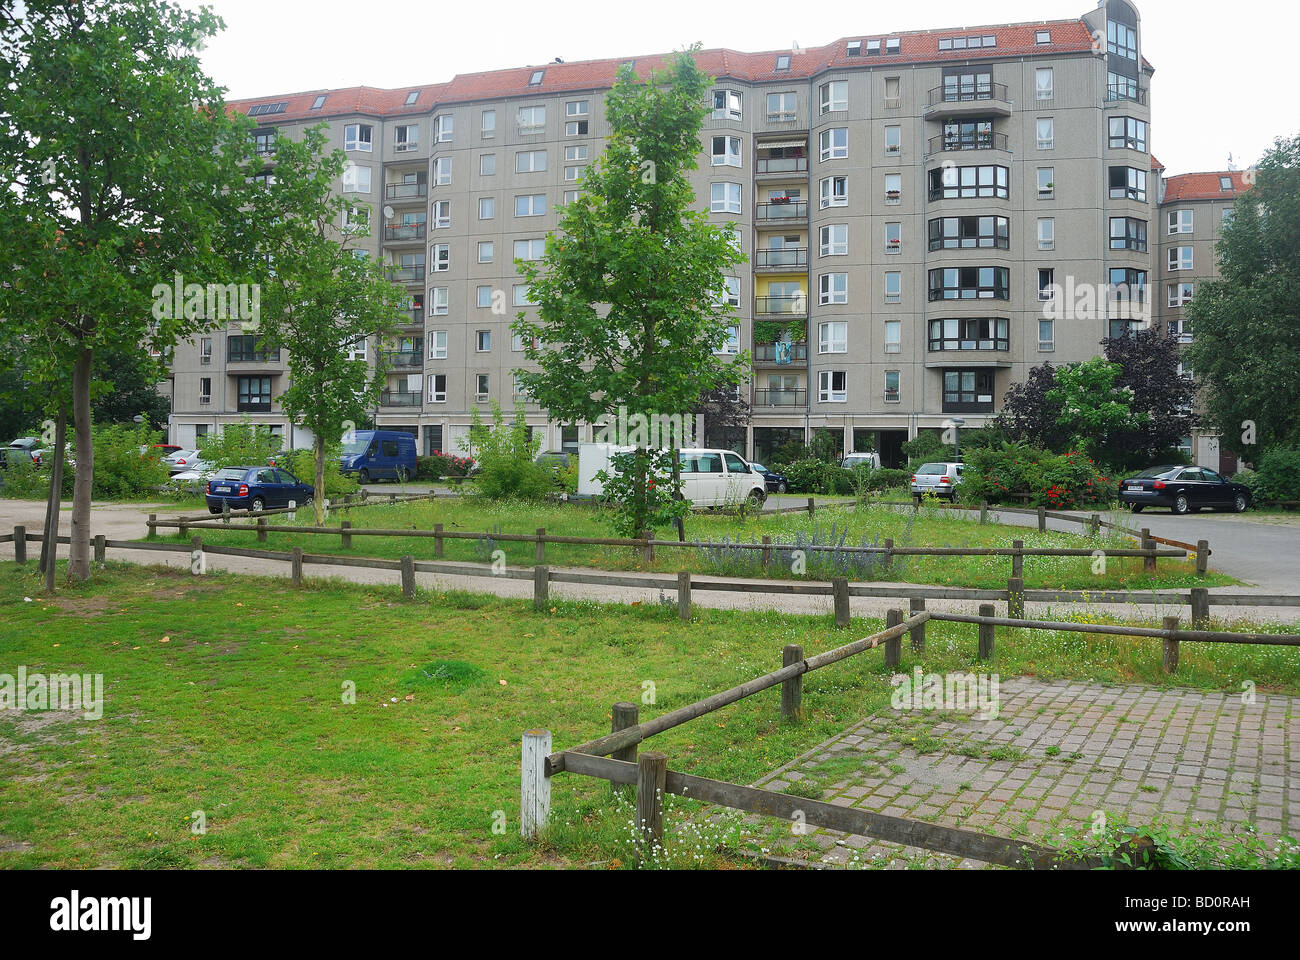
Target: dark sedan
256	489
776	482
1183	489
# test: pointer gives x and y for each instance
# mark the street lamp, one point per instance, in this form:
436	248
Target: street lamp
956	440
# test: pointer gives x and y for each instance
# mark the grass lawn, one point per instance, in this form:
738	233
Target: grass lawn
226	694
930	527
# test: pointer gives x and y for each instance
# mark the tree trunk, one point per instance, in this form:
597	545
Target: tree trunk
50	545
79	545
318	501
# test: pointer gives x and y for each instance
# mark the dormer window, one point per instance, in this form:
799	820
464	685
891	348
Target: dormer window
893	45
536	79
1225	183
1043	36
411	98
783	62
855	48
873	48
319	102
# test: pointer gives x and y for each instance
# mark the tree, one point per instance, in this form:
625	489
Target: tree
726	418
628	307
123	170
1090	402
319	299
1027	416
1148	365
1246	349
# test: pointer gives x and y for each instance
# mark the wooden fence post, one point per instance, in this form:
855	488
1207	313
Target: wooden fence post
99	547
408	576
534	785
540	556
1094	525
647	548
1042	519
1016	598
1202	557
1148	562
20	544
622	716
261	529
651	777
894	647
887	562
811	507
198	562
437	539
984	511
184	528
150	532
684	595
840	593
680	523
344	527
541	586
1169	657
792	689
1018	558
767	551
296	567
1200	608
916	605
225	511
986	632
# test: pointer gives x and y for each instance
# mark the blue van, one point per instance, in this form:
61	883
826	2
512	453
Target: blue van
379	455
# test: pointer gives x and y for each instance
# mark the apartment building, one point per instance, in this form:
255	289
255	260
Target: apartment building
925	216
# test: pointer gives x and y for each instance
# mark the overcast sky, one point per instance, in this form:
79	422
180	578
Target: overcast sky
1222	83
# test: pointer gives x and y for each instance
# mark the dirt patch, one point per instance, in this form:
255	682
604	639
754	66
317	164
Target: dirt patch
9	845
87	607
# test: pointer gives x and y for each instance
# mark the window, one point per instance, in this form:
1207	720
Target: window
873	48
1128	285
264	141
1225	216
782	62
731	291
726	152
835	96
246	348
1180	258
1128	133
1043	83
1128	233
732	344
487	208
437	345
205	350
834	143
411	97
530	161
1180	294
486	251
536	79
892	386
1121	39
441	214
854	48
438	388
1120	87
893	138
1046	183
968	135
483	296
970	283
1225	183
1046	233
442	171
893	188
1128	183
893	237
319	101
441	253
482	341
782	106
893	336
532	249
967	233
356	218
724	198
952	183
969	333
575	128
532	119
481	385
893	94
442	128
357	136
532	205
969	387
834	192
577	108
833	288
1043	36
1046	283
968	86
832	386
356	179
1046	336
440	299
522	294
406	137
1046	134
576	153
835	240
1180	221
570	196
893	45
893	286
726	105
833	337
254	393
487	124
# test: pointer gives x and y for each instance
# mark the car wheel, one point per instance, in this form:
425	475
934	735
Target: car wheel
258	504
782	487
1180	505
1239	504
757	497
307	502
402	475
1135	507
364	476
214	509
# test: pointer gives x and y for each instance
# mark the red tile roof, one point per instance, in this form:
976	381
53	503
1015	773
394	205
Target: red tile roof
1204	186
1013	40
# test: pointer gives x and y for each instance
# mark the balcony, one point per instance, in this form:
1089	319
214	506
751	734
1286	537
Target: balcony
796	306
771	165
781	261
400	232
406	146
406	191
767	353
947	102
399	398
413	317
413	274
985	141
781	398
782	212
403	359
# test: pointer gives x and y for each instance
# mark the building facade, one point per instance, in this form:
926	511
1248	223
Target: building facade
924	216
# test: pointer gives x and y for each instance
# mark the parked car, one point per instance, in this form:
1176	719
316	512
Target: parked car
378	455
196	474
1183	489
165	449
853	459
180	461
256	489
939	479
710	478
776	482
29	445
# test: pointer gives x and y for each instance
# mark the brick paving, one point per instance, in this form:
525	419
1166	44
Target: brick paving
1056	753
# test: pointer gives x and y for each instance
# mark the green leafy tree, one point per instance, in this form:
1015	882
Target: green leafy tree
243	444
1090	403
628	307
319	298
122	167
505	454
1246	351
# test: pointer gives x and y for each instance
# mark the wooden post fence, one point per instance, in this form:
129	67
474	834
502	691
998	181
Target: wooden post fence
792	689
887	561
916	605
541	586
811	507
894	645
1148	562
540	555
840	594
295	575
20	544
986	632
1169	659
534	786
984	511
344	527
684	595
437	539
151	533
1200	608
1016	598
1042	519
767	551
408	576
1017	558
99	547
261	529
1202	557
651	777
622	716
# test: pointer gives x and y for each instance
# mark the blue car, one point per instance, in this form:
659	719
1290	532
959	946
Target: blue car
776	482
256	489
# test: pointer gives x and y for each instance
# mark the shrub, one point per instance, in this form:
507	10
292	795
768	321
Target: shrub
302	464
442	465
24	480
1275	475
664	500
1055	481
812	475
121	470
242	444
505	456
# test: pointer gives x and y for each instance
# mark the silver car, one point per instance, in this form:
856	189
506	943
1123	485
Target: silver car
939	479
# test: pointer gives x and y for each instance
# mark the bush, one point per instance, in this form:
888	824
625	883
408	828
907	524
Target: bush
812	475
240	444
505	456
440	465
1275	474
302	464
121	470
1055	481
24	480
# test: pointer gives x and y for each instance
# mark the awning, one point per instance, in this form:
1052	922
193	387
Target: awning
773	144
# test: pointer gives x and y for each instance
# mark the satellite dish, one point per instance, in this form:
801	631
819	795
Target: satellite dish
388	212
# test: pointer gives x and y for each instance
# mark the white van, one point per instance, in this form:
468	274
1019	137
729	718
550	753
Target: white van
710	478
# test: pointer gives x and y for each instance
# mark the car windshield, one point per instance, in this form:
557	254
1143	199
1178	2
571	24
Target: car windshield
759	467
1153	472
356	447
932	469
231	473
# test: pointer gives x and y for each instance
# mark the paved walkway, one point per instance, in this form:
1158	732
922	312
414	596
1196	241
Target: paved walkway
1068	751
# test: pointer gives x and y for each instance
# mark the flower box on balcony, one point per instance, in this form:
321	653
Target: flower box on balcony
779	200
